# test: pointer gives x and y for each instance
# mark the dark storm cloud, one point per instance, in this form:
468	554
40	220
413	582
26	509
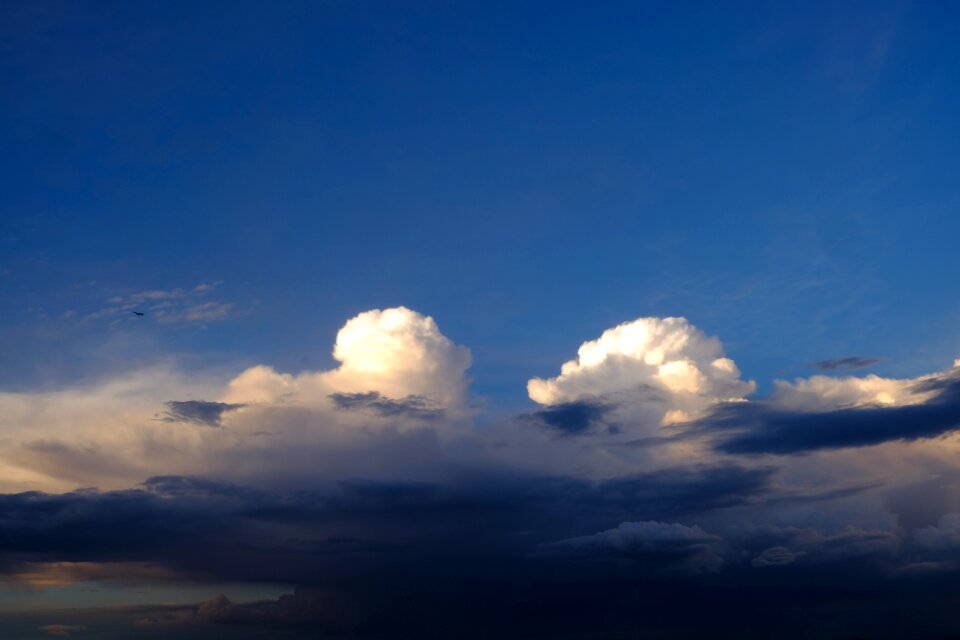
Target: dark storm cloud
852	363
195	523
540	557
761	427
197	411
656	546
412	406
572	418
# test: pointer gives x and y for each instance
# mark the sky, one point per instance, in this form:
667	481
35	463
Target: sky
583	315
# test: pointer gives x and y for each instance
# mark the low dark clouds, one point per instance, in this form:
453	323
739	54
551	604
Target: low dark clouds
488	557
244	533
413	406
852	363
656	546
573	418
761	427
198	411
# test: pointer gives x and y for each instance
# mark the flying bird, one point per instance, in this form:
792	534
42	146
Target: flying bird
137	313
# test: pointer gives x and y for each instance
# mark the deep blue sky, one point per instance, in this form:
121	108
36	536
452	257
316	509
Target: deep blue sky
530	174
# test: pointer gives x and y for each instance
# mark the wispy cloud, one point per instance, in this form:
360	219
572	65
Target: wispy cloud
198	411
62	630
850	363
167	306
414	406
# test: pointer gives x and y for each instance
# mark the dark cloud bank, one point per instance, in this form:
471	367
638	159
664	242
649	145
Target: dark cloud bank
377	404
197	411
573	418
491	557
760	427
691	552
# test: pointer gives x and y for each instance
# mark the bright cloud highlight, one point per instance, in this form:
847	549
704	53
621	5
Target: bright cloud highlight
664	365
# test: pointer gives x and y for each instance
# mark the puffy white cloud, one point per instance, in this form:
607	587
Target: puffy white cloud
824	393
398	373
107	433
665	366
395	352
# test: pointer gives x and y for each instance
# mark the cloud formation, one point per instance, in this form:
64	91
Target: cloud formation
372	401
850	363
824	413
62	630
397	353
664	368
673	546
572	418
166	306
645	469
198	411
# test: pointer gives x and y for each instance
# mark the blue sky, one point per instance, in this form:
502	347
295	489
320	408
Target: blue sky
529	175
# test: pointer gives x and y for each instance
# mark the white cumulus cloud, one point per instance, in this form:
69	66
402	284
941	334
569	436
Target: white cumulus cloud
665	365
396	352
398	374
825	393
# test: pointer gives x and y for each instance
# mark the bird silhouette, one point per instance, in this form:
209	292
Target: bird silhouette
137	313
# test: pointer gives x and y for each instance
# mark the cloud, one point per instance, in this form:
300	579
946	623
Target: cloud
571	418
39	576
820	393
776	557
395	352
62	630
849	363
370	486
676	546
167	306
822	546
398	374
204	312
904	410
103	433
234	532
308	608
198	411
372	401
216	609
942	537
372	555
663	368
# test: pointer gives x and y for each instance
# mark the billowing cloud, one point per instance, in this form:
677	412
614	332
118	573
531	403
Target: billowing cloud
820	393
831	413
663	367
639	473
397	353
397	372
